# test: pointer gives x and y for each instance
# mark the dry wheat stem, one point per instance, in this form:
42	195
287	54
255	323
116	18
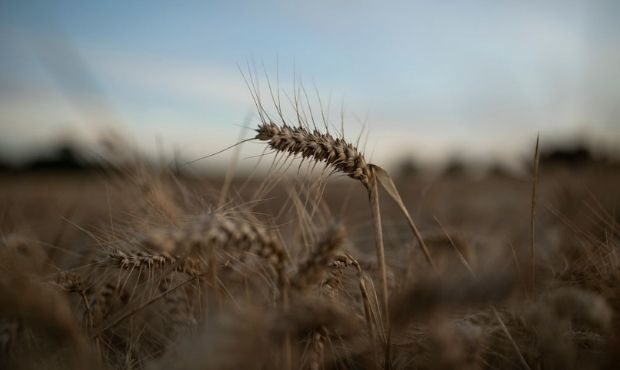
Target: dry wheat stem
533	212
376	216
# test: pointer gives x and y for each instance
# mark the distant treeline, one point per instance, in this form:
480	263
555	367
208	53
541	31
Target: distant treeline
70	158
64	158
573	156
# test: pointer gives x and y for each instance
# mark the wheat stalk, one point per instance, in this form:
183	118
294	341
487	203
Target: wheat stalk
533	213
340	156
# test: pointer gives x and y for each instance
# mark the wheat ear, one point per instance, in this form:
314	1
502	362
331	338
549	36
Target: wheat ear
312	269
148	260
188	246
321	147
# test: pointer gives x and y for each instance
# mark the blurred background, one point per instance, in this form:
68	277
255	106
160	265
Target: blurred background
423	83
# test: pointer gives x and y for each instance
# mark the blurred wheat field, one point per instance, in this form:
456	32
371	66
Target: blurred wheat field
134	236
146	270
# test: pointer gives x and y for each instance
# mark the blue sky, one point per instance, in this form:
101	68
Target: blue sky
426	78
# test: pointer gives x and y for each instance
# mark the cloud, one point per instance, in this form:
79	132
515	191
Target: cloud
169	76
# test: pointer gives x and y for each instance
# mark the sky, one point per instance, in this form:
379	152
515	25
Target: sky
434	80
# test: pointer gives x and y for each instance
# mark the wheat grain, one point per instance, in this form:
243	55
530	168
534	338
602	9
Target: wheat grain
321	147
200	242
143	260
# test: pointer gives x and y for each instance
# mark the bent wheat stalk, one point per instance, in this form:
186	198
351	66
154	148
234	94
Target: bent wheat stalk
342	157
338	154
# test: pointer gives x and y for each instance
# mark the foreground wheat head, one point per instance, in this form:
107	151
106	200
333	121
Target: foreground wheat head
320	147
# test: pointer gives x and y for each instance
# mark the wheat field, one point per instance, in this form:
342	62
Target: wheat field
140	267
